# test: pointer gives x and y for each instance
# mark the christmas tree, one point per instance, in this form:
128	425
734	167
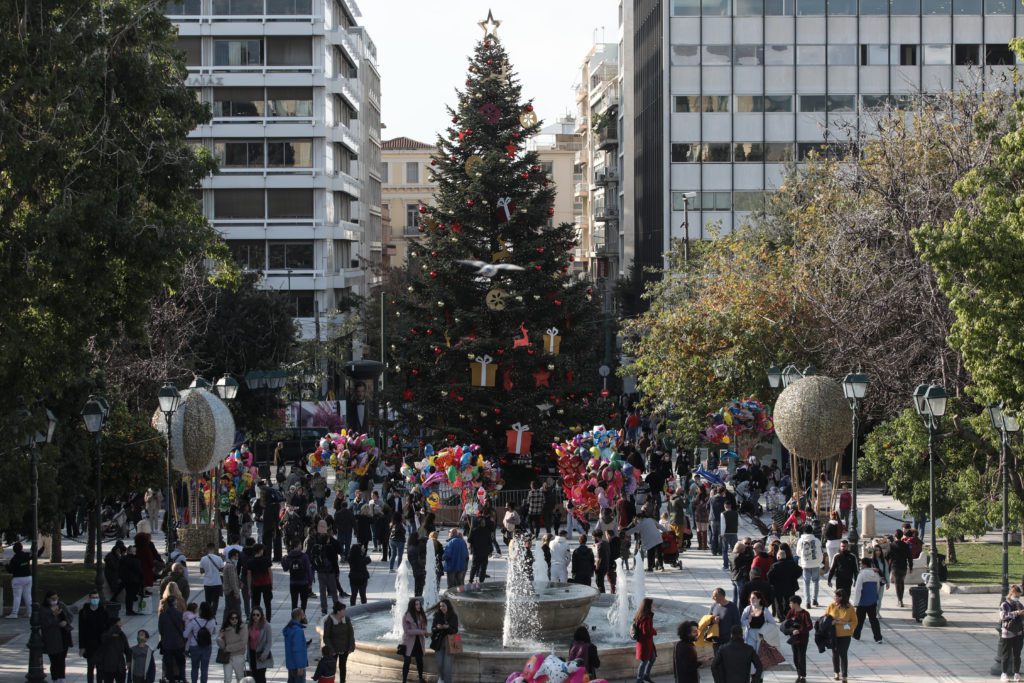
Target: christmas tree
496	336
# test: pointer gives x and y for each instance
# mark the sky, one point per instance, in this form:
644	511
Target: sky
422	47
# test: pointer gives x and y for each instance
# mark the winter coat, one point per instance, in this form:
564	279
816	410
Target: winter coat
824	633
339	637
733	661
141	659
171	626
739	565
844	568
92	624
295	654
808	552
148	557
685	662
784	576
264	657
456	555
583	564
182	582
114	652
299	568
412	630
131	571
801	623
561	554
234	642
56	638
438	635
867	588
587	654
416	552
650	532
645	649
357	565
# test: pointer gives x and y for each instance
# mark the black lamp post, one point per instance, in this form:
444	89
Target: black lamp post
94	414
169	399
855	386
35	641
930	403
1006	424
774	376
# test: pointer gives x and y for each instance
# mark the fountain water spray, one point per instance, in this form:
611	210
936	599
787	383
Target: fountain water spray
621	612
403	592
638	582
430	597
521	621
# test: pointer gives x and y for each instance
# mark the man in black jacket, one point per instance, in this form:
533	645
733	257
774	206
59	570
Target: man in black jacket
93	622
344	521
733	660
480	547
112	570
131	578
172	642
844	568
900	563
583	564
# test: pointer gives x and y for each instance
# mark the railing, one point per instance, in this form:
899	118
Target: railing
608	136
606	176
250	69
606	213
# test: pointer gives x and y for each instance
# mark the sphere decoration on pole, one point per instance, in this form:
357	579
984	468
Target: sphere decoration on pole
812	418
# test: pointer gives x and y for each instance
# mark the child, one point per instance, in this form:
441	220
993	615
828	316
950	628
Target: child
326	667
143	664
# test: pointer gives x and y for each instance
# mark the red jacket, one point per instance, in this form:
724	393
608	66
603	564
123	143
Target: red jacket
148	555
645	646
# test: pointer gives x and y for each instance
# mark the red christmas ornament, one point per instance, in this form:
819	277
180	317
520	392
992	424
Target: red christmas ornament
511	149
524	175
529	107
415	372
529	351
542	378
423	209
469	82
407	395
412	331
453	157
535	168
437	351
558	302
506	379
433	273
433	162
487	43
497	411
455	119
433	253
536	267
456	227
430	332
515	136
565	269
551	211
460	399
451	437
540	250
489	62
470	202
500	352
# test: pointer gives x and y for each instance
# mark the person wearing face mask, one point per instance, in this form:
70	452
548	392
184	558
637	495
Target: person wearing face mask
55	620
93	622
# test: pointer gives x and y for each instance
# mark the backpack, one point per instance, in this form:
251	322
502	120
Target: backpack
203	637
634	632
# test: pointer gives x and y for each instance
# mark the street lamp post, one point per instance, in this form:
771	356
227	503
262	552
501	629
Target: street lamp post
169	399
930	404
1006	424
94	414
35	642
855	386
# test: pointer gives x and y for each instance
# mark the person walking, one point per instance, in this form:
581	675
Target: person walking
844	568
296	658
339	639
300	575
844	622
210	566
456	558
414	628
444	626
784	577
646	652
730	525
808	554
725	614
20	569
685	663
583	563
701	515
114	656
233	644
55	622
734	660
141	661
535	507
131	578
171	627
866	593
258	649
111	570
93	622
755	616
199	635
232	585
900	563
1011	634
845	505
396	541
480	547
739	568
415	552
881	566
324	551
358	573
798	626
261	578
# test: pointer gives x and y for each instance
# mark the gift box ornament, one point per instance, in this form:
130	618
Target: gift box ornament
519	437
552	341
483	370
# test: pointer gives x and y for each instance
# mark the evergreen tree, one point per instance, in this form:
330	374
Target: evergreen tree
493	206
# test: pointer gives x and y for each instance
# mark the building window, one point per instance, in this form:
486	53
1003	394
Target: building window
301	304
764	103
874	7
842	103
685	55
290	153
810	55
685	8
997	54
845	8
779	8
412	172
711	55
289	7
905	7
687	152
904	55
748	201
875	55
238	52
748	55
239	153
716	8
936	7
289	255
778	55
937	54
810	7
823	150
342	255
772	152
249	254
749	8
290	101
682	203
289	51
228	102
966	54
385	171
998	7
412	218
687	104
715	104
291	203
715	201
842	55
192	47
963	7
183	8
238	204
238	7
812	103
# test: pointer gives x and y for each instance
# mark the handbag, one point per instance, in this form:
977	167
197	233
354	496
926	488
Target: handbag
223	656
454	644
769	656
400	649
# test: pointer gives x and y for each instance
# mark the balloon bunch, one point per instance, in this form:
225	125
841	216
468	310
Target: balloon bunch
592	470
738	417
541	668
462	467
351	455
239	476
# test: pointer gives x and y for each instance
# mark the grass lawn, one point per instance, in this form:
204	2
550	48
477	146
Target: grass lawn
982	563
71	581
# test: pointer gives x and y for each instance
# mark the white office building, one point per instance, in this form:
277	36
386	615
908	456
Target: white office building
295	94
722	93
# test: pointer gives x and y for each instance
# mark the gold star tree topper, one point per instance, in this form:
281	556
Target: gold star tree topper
490	26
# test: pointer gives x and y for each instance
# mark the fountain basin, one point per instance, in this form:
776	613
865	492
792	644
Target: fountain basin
561	607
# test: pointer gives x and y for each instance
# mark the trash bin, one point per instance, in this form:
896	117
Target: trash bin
918	601
943	569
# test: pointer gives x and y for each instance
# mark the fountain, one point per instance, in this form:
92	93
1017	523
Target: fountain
520	621
621	611
430	597
403	592
638	582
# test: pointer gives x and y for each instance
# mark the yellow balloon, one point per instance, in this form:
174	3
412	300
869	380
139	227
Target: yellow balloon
727	418
595	451
726	439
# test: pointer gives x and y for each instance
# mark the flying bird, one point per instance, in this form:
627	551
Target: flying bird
488	270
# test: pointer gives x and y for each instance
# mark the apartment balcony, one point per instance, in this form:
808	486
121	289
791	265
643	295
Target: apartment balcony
604	214
581	190
608	137
336	35
606	176
582	92
582	123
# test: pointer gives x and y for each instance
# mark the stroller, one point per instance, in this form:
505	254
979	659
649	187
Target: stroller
747	497
670	549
